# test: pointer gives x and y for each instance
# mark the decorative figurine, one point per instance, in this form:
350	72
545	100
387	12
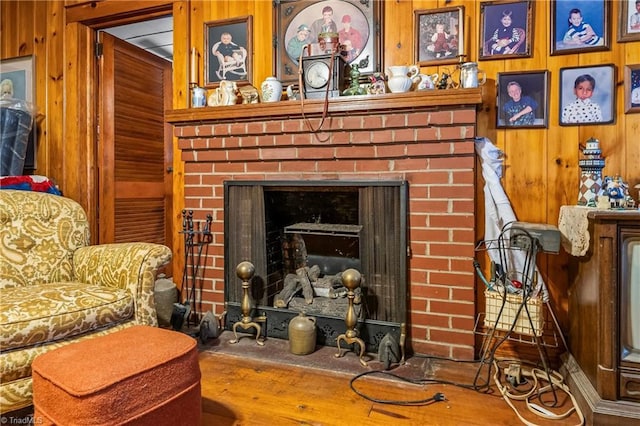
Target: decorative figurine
617	191
354	87
377	86
591	166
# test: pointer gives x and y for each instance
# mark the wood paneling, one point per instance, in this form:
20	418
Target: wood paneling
541	172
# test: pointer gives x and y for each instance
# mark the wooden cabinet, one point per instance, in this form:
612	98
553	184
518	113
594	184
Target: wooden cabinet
599	372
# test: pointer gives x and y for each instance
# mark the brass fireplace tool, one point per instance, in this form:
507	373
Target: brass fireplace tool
245	271
351	279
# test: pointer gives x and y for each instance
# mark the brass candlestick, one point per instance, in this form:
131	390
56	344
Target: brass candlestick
245	271
351	279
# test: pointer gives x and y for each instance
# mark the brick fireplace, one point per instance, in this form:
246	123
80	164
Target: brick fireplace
423	139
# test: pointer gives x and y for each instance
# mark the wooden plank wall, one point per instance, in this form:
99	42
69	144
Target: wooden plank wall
541	165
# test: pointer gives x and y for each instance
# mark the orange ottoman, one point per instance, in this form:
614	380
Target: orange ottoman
141	375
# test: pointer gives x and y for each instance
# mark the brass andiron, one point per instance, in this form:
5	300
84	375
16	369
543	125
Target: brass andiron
351	279
245	271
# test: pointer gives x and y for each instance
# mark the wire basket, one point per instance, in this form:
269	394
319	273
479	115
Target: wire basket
505	318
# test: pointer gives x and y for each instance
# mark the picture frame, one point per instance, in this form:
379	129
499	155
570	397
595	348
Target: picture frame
439	36
592	20
522	100
21	72
632	88
629	21
505	29
582	102
229	51
291	16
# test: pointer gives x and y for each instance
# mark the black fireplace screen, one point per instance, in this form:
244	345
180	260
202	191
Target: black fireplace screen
301	233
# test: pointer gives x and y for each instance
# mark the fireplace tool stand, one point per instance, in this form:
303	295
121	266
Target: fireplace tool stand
351	279
196	242
245	271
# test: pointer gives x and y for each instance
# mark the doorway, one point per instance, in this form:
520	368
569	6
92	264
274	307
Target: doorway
134	155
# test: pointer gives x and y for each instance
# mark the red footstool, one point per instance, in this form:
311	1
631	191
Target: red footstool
140	375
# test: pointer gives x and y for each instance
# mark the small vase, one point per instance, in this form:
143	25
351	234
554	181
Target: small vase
271	90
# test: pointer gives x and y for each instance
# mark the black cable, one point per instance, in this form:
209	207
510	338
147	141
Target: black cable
437	397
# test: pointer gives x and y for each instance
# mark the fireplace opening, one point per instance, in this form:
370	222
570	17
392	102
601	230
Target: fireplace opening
301	236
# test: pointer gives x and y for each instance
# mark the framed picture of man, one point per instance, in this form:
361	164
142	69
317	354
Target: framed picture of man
523	99
298	23
228	51
17	83
587	95
505	29
579	26
632	88
439	35
629	22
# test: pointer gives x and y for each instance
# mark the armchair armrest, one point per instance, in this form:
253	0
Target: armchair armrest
131	266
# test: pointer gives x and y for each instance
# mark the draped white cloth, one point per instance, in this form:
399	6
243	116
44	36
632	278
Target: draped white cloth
499	213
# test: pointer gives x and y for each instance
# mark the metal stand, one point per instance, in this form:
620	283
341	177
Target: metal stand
522	283
245	271
351	280
195	241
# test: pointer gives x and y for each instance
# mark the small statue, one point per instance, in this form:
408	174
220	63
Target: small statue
225	94
445	82
377	86
617	191
249	94
354	87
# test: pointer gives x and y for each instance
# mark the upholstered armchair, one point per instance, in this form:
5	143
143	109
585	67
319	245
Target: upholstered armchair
55	288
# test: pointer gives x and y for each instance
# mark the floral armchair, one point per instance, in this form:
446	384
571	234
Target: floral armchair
56	289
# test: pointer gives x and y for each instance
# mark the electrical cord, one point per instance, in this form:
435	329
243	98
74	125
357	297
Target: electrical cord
437	397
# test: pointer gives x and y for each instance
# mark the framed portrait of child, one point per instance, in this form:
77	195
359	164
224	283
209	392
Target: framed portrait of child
505	29
439	36
579	25
632	88
629	22
587	95
523	99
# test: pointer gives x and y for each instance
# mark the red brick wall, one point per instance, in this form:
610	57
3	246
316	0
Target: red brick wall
432	149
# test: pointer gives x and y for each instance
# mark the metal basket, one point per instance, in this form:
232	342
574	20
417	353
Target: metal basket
506	319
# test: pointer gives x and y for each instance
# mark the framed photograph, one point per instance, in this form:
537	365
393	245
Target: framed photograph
17	81
228	47
297	24
523	99
579	26
629	22
440	36
582	101
632	88
505	29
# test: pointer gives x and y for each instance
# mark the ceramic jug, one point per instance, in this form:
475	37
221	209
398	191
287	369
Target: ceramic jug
271	90
402	77
225	94
198	97
302	334
469	75
427	82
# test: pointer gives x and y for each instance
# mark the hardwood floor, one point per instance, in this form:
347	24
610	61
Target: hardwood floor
246	384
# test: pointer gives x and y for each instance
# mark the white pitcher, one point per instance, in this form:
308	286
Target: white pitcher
402	77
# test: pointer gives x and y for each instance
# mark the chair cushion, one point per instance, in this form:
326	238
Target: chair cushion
50	312
140	375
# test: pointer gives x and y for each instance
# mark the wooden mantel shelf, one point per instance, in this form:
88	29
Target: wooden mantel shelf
396	102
